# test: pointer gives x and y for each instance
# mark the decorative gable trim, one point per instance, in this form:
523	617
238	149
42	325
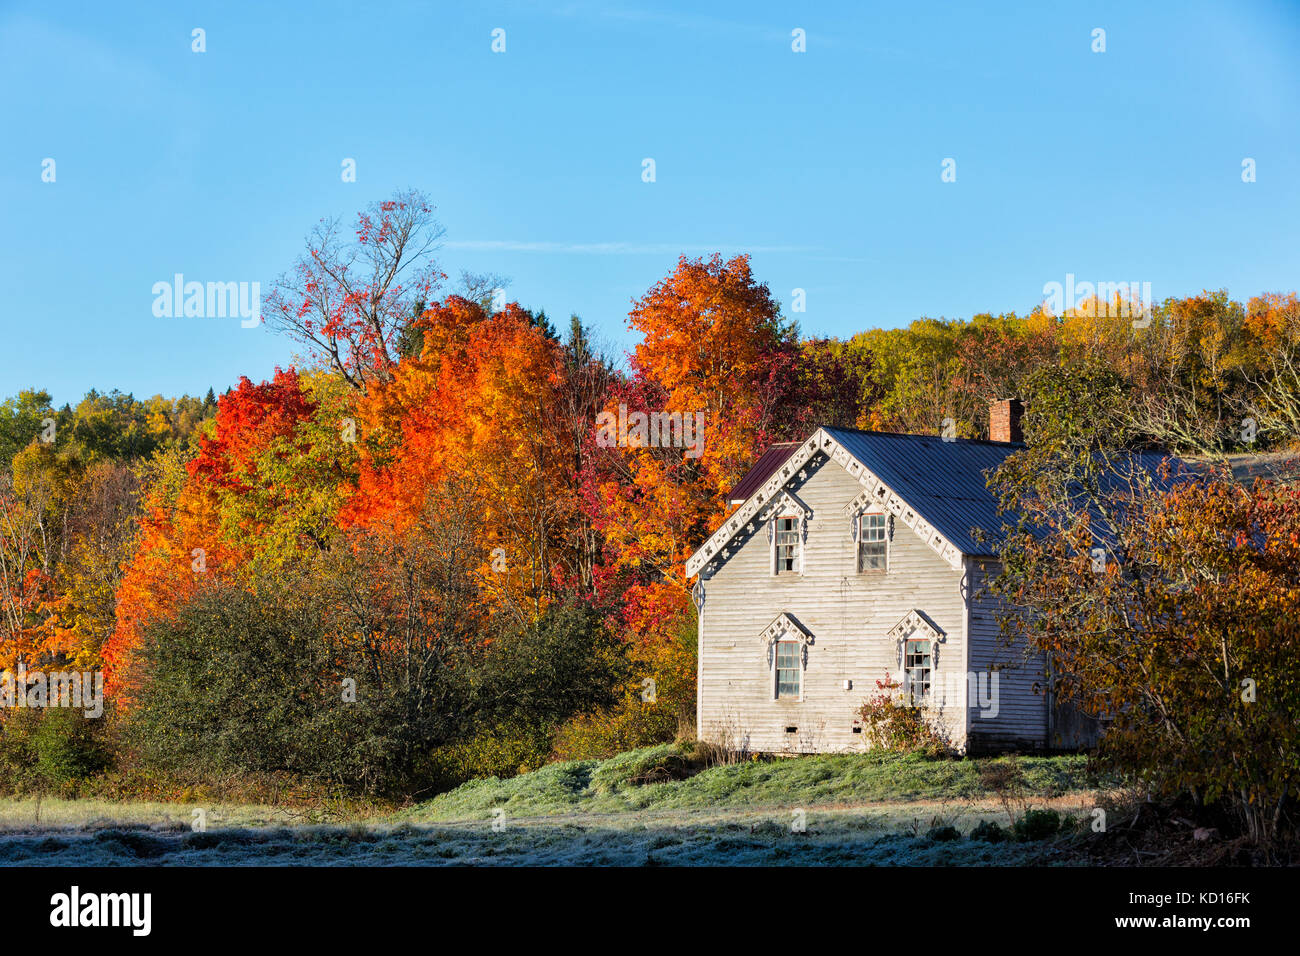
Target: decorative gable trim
785	628
750	515
786	502
916	621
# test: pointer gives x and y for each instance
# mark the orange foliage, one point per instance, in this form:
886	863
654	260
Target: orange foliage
182	537
1273	320
711	338
475	410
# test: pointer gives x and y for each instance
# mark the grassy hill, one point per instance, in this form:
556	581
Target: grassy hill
663	778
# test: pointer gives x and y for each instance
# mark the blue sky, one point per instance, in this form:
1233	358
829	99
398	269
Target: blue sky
825	165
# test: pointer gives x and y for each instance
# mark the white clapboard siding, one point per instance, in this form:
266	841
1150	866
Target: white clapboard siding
848	616
1021	714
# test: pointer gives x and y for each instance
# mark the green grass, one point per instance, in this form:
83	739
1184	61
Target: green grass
590	786
18	813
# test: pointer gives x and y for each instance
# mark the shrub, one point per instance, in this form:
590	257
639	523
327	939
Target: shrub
608	732
243	683
541	675
1037	825
17	750
640	719
247	683
50	749
943	834
68	747
891	723
499	752
530	680
989	832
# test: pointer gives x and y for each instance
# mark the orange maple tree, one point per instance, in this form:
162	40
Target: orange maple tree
186	529
475	409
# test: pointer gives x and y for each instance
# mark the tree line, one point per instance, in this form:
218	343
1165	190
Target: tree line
410	561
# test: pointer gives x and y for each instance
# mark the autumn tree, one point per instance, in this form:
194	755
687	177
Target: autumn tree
1272	329
916	367
834	385
261	486
102	528
350	299
1184	635
27	543
21	419
716	357
587	380
480	399
1161	595
116	426
1187	373
711	336
937	370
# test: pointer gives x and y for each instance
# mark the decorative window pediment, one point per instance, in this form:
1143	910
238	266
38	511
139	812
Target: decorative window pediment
786	502
916	624
915	621
785	628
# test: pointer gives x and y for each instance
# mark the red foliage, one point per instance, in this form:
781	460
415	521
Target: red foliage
247	417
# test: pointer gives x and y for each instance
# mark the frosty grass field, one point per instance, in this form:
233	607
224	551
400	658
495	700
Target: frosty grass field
850	810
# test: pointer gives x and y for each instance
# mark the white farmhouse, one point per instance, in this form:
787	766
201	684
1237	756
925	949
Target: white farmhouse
856	556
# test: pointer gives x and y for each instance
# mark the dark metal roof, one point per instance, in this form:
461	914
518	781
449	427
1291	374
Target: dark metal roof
767	463
944	481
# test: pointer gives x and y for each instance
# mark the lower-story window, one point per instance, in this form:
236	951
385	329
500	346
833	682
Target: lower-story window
916	671
787	669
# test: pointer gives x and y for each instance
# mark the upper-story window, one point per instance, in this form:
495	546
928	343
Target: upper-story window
787	545
873	542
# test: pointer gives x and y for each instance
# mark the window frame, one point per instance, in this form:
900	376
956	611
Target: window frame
795	659
794	543
861	541
927	668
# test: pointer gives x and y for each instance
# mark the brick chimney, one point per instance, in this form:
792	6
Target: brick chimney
1004	420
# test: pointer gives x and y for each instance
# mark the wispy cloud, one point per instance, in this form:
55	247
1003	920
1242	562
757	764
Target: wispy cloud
612	248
